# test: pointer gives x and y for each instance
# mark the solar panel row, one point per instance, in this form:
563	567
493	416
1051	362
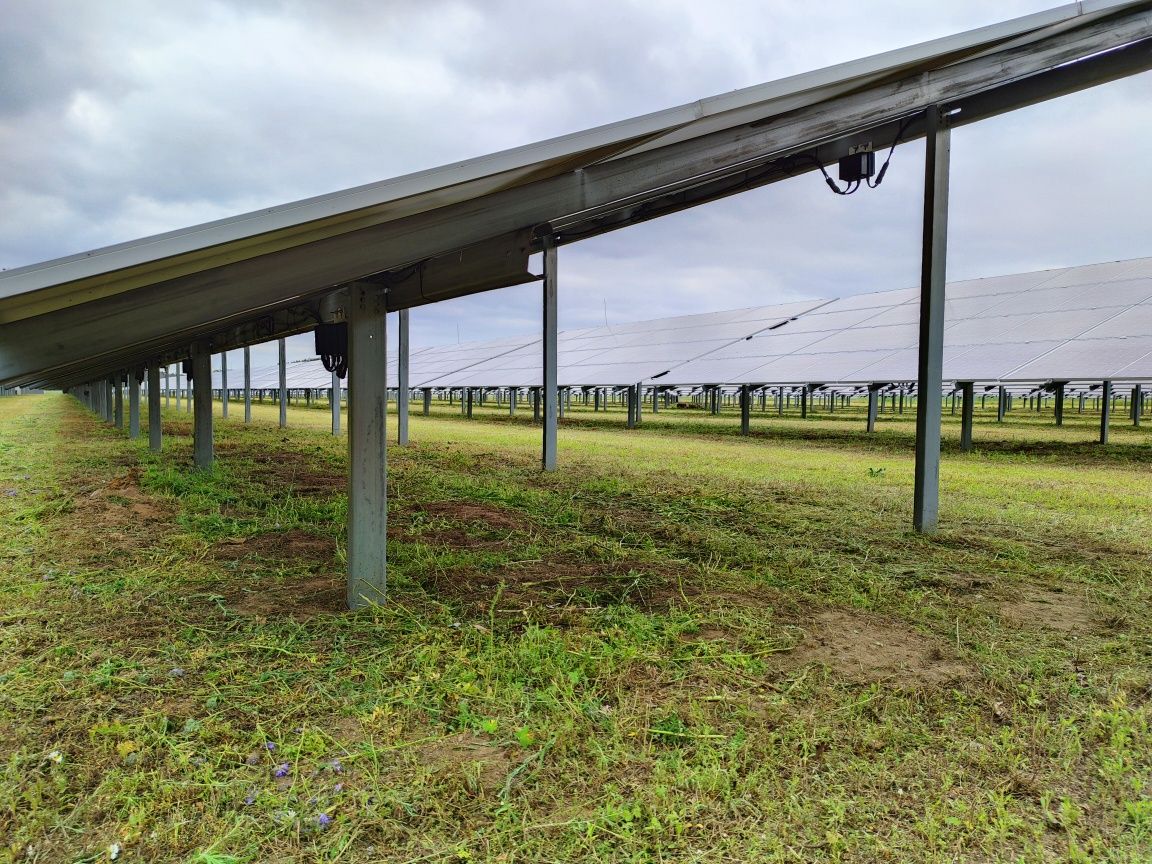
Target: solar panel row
1079	323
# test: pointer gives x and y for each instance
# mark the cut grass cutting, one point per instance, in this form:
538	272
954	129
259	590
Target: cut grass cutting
683	646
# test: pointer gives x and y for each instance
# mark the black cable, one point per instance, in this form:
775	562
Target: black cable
884	168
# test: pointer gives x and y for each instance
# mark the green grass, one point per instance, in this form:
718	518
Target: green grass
684	646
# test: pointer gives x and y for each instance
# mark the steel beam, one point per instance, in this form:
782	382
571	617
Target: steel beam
367	446
133	405
155	426
550	341
427	401
283	391
334	399
745	409
873	406
402	393
1137	404
934	250
202	397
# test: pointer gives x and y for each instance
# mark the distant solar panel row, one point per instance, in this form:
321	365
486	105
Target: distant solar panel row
1083	323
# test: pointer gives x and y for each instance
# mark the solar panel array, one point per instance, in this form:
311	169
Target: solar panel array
1077	324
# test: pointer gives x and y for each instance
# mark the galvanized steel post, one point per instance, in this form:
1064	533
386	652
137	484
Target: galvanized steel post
402	394
934	251
154	423
283	361
548	455
133	405
334	398
247	384
224	384
367	446
118	390
967	390
202	398
1105	410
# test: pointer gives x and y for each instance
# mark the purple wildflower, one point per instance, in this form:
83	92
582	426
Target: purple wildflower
339	787
336	766
323	820
283	769
250	798
269	745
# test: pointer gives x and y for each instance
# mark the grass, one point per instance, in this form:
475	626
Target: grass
684	646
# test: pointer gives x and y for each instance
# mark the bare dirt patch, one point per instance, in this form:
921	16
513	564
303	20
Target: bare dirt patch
176	427
292	471
1065	613
864	649
111	515
120	499
464	525
299	599
468	754
565	585
278	546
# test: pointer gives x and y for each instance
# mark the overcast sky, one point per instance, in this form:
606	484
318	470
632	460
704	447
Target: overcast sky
124	118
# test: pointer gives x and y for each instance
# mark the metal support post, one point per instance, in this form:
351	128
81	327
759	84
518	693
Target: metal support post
402	393
549	343
118	390
334	398
154	426
468	403
873	406
745	409
427	401
133	405
1059	403
512	393
247	384
1001	403
934	250
968	393
1137	404
202	399
224	384
167	388
804	402
283	385
1105	410
367	446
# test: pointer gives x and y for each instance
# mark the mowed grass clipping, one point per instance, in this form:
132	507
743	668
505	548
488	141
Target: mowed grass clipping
683	646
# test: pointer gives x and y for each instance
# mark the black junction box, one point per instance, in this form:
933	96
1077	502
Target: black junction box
858	166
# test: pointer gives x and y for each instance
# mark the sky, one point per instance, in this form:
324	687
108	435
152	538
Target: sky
125	118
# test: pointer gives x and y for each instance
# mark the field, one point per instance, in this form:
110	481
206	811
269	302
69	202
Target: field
683	646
